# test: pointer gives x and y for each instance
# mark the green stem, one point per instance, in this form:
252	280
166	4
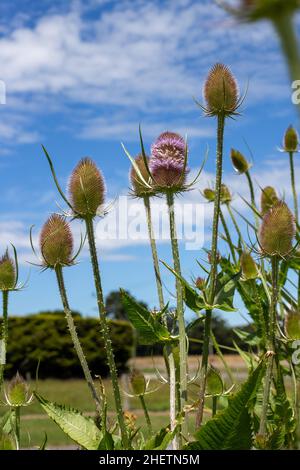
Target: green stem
213	272
75	339
241	240
4	336
252	196
179	309
271	348
105	331
228	237
221	356
154	252
172	380
147	417
17	426
292	171
214	405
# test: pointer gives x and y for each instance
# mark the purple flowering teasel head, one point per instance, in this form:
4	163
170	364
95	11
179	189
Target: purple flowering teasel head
167	163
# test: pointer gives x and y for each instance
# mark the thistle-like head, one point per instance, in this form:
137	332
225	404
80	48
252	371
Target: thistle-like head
291	140
86	189
139	188
248	266
239	162
209	194
226	196
8	277
168	162
17	393
277	231
138	382
221	92
56	242
268	199
292	324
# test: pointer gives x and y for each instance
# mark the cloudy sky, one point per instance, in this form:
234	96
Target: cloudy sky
81	75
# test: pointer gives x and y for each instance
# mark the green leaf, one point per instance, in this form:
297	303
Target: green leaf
248	337
150	330
226	287
6	441
231	429
79	428
160	440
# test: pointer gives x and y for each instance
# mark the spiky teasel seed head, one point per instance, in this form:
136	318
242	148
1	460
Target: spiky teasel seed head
138	382
221	92
268	199
292	324
86	189
226	197
167	162
17	393
56	242
200	283
291	140
239	162
248	266
138	186
7	273
277	231
209	194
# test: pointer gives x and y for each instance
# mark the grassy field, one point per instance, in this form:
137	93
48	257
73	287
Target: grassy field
35	423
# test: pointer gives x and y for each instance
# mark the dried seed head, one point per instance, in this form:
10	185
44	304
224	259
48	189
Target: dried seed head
239	162
138	382
226	197
209	194
291	140
138	185
86	188
7	273
17	393
248	266
167	162
56	242
292	325
200	283
268	199
277	231
221	91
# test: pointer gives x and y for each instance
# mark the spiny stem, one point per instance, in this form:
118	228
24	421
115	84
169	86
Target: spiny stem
147	417
105	331
17	426
4	335
271	348
180	314
75	339
292	171
154	252
172	380
213	271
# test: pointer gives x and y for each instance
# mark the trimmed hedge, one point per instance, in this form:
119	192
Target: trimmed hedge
44	337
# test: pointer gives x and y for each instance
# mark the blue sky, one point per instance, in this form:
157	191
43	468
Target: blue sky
80	76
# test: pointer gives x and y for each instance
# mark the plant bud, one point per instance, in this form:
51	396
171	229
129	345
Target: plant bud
248	266
209	194
56	242
214	382
226	197
200	283
7	273
86	188
138	186
138	382
167	162
292	325
239	162
291	140
268	199
277	231
221	91
17	393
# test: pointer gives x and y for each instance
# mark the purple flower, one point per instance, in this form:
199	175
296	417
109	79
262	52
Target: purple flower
167	161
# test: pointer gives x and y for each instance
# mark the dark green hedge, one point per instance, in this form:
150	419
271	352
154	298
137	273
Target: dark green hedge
44	337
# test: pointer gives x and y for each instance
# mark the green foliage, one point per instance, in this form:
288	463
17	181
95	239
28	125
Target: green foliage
81	429
231	429
44	337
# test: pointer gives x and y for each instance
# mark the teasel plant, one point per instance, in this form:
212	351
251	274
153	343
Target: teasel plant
9	273
276	243
86	200
222	101
56	253
140	388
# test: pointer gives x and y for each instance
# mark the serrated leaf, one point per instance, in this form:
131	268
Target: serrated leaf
79	428
150	330
225	292
231	429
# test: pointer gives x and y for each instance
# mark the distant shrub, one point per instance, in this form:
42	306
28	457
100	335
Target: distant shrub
44	337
